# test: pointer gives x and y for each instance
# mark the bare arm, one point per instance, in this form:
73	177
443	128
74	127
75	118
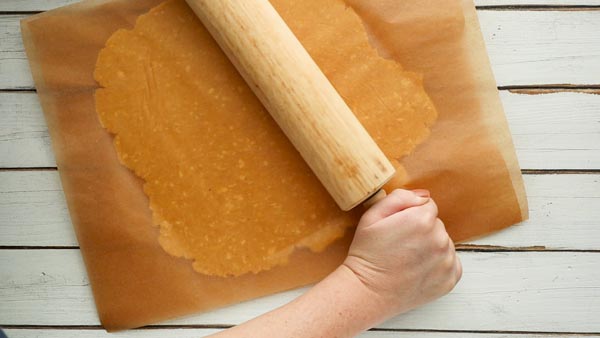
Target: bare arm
401	257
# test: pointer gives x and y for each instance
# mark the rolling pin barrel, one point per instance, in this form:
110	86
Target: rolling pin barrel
299	97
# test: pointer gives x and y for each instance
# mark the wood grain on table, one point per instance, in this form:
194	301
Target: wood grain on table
540	278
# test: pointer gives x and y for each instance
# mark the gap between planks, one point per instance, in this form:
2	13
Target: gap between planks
526	286
459	247
565	208
523	171
20	12
552	88
561	47
479	8
487	331
225	326
517	89
538	7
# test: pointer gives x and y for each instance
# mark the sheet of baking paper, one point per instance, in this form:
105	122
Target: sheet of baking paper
468	161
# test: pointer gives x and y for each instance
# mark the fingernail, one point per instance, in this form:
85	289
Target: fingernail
422	193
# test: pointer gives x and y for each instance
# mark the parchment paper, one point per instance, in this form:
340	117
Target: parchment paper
468	162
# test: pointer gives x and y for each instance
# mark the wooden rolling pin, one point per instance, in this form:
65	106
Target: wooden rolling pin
299	97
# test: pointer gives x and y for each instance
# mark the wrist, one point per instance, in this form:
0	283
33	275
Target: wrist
361	306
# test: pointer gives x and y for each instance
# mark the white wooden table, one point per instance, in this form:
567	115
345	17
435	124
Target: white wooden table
539	278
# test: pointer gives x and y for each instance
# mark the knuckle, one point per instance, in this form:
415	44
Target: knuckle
370	217
433	207
367	218
450	285
426	221
459	270
452	248
396	198
445	286
449	264
442	243
397	192
431	215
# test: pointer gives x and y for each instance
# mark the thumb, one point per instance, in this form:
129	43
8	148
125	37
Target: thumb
396	201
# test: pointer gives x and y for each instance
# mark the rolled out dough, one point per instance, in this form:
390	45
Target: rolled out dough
226	187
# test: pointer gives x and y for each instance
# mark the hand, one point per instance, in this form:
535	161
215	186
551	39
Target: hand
401	257
402	253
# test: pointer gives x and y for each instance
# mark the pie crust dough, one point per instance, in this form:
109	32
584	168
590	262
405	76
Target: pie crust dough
225	186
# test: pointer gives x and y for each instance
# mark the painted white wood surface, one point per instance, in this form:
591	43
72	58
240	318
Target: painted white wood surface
509	291
534	2
543	47
196	333
98	333
516	291
24	139
525	47
550	131
555	130
14	69
33	212
42	5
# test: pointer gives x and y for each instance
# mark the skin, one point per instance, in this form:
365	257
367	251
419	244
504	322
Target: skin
401	258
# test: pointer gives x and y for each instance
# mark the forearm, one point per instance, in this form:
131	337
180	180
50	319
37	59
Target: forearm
338	306
401	257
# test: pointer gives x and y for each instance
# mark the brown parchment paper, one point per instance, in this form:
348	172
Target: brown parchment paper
468	162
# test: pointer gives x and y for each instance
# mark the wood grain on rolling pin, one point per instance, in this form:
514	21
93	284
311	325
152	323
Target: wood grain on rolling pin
299	97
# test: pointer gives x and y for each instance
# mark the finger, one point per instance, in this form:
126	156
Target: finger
452	247
396	201
459	269
458	263
422	217
440	241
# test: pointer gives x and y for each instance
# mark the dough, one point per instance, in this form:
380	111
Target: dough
225	186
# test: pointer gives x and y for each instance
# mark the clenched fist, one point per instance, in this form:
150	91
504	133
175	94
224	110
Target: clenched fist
402	252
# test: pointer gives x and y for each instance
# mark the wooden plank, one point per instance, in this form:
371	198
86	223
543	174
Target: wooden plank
14	68
24	139
534	2
555	130
43	5
510	291
525	47
564	212
33	211
33	5
95	333
196	333
543	47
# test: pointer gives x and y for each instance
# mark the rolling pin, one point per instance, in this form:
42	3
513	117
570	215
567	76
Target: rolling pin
299	97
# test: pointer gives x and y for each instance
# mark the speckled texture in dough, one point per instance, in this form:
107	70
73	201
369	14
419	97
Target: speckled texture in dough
226	187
